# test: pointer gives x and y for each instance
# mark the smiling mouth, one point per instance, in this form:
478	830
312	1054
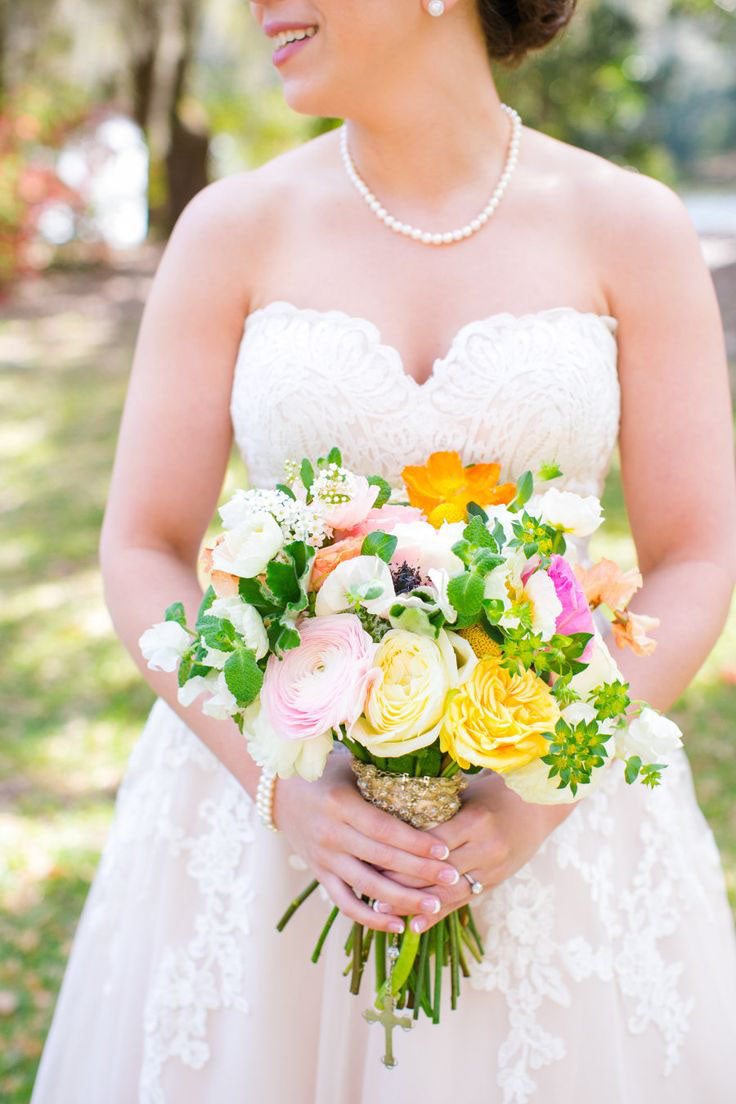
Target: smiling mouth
285	38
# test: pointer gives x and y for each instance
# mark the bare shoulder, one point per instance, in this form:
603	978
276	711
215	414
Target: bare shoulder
633	223
229	231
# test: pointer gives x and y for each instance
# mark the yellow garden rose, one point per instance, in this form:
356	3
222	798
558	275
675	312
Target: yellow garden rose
406	703
496	719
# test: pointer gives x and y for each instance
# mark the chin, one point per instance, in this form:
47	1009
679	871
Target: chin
311	97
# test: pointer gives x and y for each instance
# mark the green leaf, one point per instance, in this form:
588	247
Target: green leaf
306	471
474	510
415	621
217	632
379	544
301	555
252	592
524	491
633	766
384	490
176	612
549	471
207	599
484	560
334	456
499	534
466	593
476	533
463	550
243	676
282	636
286	490
282	582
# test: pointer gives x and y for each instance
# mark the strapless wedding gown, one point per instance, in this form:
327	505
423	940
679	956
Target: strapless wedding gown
610	967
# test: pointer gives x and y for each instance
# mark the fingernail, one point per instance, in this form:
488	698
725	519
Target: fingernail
383	907
440	851
431	904
418	924
396	926
448	876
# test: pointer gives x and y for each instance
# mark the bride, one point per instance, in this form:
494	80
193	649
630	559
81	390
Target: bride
574	311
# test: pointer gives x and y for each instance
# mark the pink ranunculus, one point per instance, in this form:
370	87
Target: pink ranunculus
344	515
324	682
576	616
385	519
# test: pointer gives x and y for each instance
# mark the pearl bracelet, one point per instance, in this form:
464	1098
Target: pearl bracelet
264	798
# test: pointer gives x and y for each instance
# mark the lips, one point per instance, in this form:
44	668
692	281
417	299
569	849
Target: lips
288	39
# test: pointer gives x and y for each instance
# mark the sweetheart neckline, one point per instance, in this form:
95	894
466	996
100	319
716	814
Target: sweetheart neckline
374	332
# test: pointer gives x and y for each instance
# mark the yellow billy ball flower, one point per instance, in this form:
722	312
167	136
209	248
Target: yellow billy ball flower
479	640
496	719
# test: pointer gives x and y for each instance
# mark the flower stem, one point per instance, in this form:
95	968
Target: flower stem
439	954
357	971
295	904
419	991
380	958
454	966
325	932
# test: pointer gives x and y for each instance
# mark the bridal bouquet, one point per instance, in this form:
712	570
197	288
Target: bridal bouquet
434	631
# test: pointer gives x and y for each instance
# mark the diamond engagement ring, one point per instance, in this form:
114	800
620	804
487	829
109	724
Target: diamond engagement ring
475	886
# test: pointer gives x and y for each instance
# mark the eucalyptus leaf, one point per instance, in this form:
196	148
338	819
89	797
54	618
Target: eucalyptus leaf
380	544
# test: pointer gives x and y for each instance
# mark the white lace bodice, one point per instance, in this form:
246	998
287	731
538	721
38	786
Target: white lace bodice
517	389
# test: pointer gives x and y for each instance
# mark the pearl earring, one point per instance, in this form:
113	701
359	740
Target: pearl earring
436	7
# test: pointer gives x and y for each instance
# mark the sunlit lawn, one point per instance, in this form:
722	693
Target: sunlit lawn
72	701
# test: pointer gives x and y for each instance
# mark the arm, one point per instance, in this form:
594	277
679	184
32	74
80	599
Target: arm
173	449
678	474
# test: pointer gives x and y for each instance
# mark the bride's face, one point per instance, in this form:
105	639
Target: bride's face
353	49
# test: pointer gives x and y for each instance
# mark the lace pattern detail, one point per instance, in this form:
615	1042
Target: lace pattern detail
523	389
532	959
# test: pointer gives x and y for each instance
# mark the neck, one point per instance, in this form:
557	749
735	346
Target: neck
446	147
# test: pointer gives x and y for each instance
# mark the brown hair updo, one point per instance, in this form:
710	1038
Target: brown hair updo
513	27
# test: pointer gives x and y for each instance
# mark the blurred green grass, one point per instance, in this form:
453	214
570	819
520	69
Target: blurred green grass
73	702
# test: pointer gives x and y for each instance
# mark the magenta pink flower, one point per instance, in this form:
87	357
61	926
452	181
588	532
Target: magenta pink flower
324	682
576	616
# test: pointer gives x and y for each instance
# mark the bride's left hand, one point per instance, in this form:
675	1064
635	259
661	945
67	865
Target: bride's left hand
492	836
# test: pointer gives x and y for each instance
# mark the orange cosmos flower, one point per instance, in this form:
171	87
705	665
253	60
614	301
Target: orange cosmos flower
442	487
606	584
630	629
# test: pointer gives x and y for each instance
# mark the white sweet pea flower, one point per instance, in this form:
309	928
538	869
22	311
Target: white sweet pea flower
287	757
650	736
366	579
195	686
440	579
546	606
246	620
504	516
572	513
247	549
601	669
163	645
222	704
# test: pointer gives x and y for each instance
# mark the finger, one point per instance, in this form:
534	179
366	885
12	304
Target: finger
355	909
384	828
390	859
397	899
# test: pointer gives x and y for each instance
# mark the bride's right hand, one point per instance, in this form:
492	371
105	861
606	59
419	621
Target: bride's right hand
346	840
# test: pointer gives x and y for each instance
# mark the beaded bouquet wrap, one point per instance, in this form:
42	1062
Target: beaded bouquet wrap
434	631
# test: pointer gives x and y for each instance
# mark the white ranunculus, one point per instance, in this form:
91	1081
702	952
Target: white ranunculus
235	511
601	669
222	703
287	757
164	644
650	736
246	620
572	513
546	606
247	549
351	581
427	548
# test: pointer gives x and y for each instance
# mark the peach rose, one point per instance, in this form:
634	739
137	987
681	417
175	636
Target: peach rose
327	559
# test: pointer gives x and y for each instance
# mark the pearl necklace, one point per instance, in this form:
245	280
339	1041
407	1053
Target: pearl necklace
427	238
